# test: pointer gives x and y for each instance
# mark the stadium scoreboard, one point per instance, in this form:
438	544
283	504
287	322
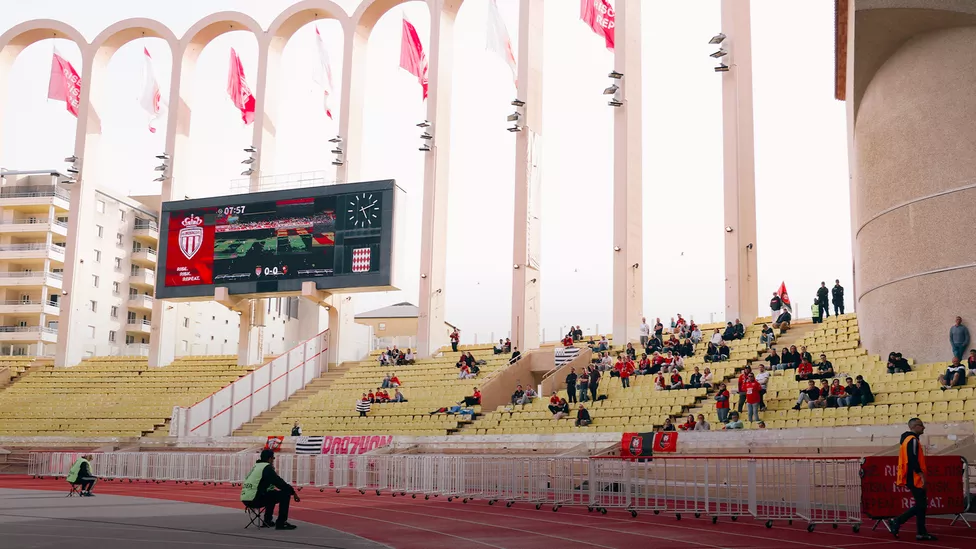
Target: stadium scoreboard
339	236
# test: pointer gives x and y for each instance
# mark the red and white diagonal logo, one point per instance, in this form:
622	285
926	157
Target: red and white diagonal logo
360	260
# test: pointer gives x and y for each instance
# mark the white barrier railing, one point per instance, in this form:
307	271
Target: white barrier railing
238	403
814	490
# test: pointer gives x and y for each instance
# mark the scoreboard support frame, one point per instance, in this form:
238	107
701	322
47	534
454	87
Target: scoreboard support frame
251	336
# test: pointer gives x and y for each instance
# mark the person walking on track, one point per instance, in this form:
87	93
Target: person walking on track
911	474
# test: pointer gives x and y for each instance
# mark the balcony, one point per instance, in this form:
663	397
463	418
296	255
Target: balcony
33	226
31	278
35	197
144	256
29	307
38	250
141	302
142	278
28	334
138	326
146	231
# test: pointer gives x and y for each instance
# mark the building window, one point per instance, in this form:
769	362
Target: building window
133	292
122	216
382	326
118	239
100	206
93	306
129	340
185	344
91	332
95	281
130	317
115	312
118	264
111	337
98	256
116	288
99	230
186	323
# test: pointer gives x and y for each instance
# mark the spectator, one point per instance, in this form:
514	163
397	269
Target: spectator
659	383
528	396
500	348
722	403
762	378
821	402
867	397
385	357
955	375
472	400
578	333
804	355
897	364
694	381
516	355
645	332
583	384
689	424
837	295
518	395
741	387
753	397
382	395
626	370
386	381
972	362
767	336
825	370
676	381
677	363
594	382
809	395
568	340
740	330
631	351
822	299
553	402
465	372
363	405
790	358
395	381
571	385
729	334
775	304
582	417
81	474
296	429
815	311
837	393
773	359
711	353
371	397
668	426
716	338
707	379
562	409
782	322
701	424
409	357
658	328
724	352
455	339
734	422
508	345
654	344
851	394
606	363
958	338
604	344
696	335
263	489
644	366
398	396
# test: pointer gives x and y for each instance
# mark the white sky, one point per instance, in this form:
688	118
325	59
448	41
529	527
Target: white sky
801	152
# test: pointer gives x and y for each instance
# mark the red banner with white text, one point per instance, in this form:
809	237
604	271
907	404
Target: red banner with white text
944	487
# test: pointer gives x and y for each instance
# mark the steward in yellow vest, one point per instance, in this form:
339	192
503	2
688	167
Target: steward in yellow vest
911	474
263	489
81	474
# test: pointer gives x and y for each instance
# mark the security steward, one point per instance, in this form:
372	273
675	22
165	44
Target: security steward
263	487
911	473
81	474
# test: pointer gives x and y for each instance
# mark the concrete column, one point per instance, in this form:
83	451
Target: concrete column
741	276
248	343
433	240
628	280
354	63
526	279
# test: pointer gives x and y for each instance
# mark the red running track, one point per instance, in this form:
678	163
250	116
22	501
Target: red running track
405	522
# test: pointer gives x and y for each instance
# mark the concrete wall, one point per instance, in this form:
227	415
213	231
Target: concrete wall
914	189
557	381
525	372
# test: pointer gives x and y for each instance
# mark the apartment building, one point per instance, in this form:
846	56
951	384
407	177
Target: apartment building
113	307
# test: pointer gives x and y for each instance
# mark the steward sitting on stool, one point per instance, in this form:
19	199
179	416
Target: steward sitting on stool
81	474
263	488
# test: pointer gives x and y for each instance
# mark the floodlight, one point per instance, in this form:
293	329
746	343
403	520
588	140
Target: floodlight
426	135
720	53
336	150
248	160
615	103
513	117
337	162
251	149
424	124
160	168
616	75
160	179
71	159
248	171
515	128
722	67
717	39
424	148
162	156
611	90
337	139
518	103
72	170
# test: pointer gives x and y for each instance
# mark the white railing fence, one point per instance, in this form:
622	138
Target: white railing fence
238	403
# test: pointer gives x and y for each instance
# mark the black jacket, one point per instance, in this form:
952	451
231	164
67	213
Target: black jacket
822	294
270	478
571	379
913	465
583	414
838	294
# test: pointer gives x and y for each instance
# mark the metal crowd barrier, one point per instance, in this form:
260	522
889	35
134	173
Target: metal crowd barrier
813	490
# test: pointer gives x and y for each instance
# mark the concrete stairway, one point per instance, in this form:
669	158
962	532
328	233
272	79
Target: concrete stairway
317	385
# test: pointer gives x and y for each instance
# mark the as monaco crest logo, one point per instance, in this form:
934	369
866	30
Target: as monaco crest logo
191	236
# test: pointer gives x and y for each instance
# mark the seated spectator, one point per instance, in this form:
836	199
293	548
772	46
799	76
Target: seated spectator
677	363
825	370
500	348
386	381
654	344
897	364
382	395
668	426
701	424
617	366
462	360
518	395
837	393
851	394
689	424
724	351
562	409
385	358
955	375
604	344
729	333
867	397
706	380
790	358
371	397
696	335
821	402
687	348
716	338
694	382
516	355
644	366
508	345
659	383
409	357
583	385
398	396
363	405
804	355
809	395
972	362
767	336
296	429
465	372
773	359
582	417
631	351
568	340
711	353
782	322
578	333
672	343
394	381
553	401
528	396
722	403
401	358
740	330
681	321
473	400
734	422
676	381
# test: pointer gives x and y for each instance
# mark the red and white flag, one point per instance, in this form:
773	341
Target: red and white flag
361	260
323	76
151	100
498	40
238	90
781	292
412	56
600	16
65	84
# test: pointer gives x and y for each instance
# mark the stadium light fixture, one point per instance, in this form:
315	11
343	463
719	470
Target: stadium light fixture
248	160
615	103
515	266
720	53
516	128
518	103
336	150
426	136
337	139
423	275
728	229
71	159
160	179
248	171
72	170
424	148
424	124
722	67
160	168
616	248
162	156
616	75
251	149
612	90
337	162
513	117
636	265
717	39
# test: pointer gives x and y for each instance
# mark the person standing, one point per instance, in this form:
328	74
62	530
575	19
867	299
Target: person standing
911	474
455	339
571	385
822	299
594	382
958	338
722	403
753	397
263	488
816	311
837	295
645	332
775	304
